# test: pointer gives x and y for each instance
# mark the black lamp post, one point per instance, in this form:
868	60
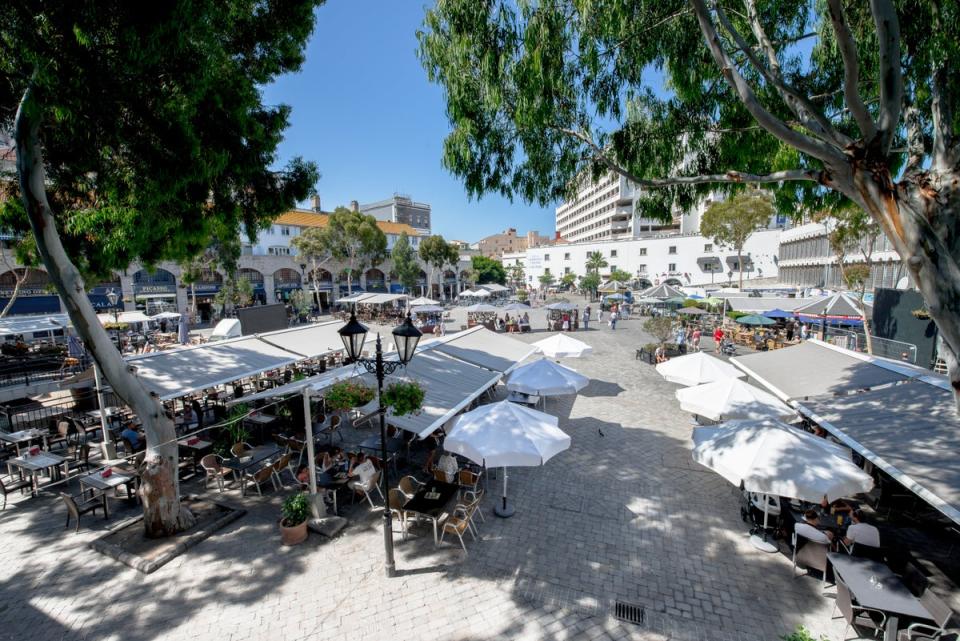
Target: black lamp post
406	337
113	297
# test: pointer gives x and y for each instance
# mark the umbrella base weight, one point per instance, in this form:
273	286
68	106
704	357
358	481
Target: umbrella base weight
763	545
503	511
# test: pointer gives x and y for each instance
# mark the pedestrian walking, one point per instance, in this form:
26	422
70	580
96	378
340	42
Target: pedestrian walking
613	320
600	313
586	318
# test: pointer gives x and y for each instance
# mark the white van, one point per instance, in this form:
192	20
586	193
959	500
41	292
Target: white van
227	328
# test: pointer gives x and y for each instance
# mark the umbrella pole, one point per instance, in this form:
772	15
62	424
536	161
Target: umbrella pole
504	510
761	543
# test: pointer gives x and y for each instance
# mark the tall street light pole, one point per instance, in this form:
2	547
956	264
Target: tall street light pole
113	297
406	337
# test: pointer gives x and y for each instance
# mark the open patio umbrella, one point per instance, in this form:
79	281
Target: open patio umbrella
423	300
467	293
756	319
545	378
778	313
506	435
480	293
770	458
563	306
516	307
696	369
165	316
562	346
614	297
732	398
692	311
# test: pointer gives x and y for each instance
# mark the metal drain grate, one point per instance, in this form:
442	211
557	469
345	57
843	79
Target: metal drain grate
629	612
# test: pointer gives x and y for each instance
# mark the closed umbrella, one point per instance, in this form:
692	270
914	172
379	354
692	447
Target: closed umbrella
755	319
732	398
506	435
546	378
771	458
183	332
562	346
696	369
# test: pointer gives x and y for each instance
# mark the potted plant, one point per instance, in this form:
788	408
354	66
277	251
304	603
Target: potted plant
348	394
404	397
293	525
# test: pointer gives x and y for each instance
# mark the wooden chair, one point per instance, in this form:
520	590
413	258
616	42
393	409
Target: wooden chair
76	509
279	466
13	484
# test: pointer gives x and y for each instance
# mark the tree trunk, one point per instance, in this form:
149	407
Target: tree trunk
193	303
163	514
16	291
740	267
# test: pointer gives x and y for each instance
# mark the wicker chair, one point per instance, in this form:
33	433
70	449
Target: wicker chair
11	485
213	468
458	523
75	508
258	477
395	501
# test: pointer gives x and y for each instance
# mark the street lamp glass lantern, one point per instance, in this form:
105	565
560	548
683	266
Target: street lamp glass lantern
113	297
353	335
406	336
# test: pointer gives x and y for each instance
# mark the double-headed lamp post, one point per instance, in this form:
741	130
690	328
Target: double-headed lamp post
113	297
406	337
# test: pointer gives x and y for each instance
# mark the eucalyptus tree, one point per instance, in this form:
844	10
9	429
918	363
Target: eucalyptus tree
140	134
313	244
825	102
405	264
731	222
435	252
355	240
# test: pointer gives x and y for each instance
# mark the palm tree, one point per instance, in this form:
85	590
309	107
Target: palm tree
596	262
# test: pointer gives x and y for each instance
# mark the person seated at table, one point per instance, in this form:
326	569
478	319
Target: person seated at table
836	507
189	419
661	354
432	442
362	470
331	460
131	435
303	475
810	528
861	532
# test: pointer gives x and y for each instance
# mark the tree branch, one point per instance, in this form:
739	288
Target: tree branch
851	71
768	121
944	155
891	73
809	115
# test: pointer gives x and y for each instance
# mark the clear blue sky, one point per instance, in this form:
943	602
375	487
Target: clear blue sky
365	113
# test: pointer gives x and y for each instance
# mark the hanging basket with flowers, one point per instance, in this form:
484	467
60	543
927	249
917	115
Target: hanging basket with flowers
404	397
346	395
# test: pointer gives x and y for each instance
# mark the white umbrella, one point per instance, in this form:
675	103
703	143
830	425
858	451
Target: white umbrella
467	293
545	378
426	309
516	307
769	457
696	369
561	345
165	316
732	398
481	293
505	435
481	307
423	300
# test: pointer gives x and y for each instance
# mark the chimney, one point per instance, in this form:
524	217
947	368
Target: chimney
556	235
315	203
354	205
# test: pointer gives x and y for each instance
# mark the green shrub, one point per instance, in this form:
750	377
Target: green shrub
736	315
692	302
800	634
295	509
403	397
348	394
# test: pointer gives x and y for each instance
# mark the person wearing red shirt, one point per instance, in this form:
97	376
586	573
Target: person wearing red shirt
718	336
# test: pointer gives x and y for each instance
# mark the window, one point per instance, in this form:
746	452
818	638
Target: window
708	247
566	256
566	270
613	268
546	270
278	251
642	269
284	231
672	267
613	253
643	251
672	249
546	258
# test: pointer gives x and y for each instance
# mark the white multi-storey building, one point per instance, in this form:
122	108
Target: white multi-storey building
676	259
401	209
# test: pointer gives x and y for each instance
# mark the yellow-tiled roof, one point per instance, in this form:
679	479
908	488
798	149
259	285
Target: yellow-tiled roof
300	218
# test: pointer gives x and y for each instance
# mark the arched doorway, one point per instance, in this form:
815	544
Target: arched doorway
464	280
322	287
255	278
422	283
285	281
35	295
376	281
156	291
673	282
203	291
643	283
450	284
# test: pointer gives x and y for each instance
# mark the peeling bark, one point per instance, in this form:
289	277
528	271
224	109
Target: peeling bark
164	514
16	289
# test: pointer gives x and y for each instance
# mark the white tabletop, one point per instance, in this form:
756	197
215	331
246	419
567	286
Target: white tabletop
39	461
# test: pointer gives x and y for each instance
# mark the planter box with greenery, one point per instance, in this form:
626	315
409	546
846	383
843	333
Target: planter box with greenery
293	525
403	397
346	395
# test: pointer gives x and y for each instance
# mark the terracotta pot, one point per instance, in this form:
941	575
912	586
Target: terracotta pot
292	535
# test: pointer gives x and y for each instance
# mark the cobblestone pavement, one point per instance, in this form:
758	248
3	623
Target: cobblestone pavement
622	516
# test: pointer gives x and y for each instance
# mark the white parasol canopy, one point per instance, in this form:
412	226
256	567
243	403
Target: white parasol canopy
426	309
769	457
696	369
505	435
480	293
561	346
165	316
732	398
546	378
481	307
423	300
517	307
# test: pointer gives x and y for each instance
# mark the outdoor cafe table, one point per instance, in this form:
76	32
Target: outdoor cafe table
892	597
256	456
96	481
23	436
430	502
197	450
38	463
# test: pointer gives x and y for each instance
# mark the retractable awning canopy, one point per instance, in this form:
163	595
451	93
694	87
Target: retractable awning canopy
381	299
759	305
308	341
814	368
31	324
494	287
910	431
449	384
479	346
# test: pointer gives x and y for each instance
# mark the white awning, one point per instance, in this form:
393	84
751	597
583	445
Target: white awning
125	317
449	385
479	346
31	324
309	341
355	298
175	373
381	299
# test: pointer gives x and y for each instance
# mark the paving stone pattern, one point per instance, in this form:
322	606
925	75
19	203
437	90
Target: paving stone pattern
626	516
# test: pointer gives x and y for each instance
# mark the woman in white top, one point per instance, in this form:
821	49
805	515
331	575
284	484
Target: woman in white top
861	532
